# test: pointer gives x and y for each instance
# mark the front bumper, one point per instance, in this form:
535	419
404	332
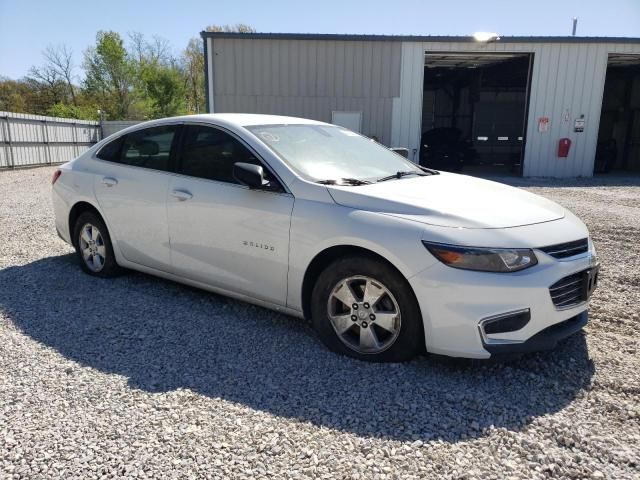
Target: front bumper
546	339
454	302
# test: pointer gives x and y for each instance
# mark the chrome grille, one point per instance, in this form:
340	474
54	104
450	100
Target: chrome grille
569	291
568	249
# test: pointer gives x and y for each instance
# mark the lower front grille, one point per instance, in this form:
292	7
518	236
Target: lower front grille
574	289
506	322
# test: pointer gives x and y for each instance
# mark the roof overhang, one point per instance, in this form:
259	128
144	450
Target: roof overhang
414	38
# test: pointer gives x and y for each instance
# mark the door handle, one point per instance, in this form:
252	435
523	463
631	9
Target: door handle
109	181
181	195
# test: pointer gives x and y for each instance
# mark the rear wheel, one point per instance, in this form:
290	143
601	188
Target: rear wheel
93	246
364	308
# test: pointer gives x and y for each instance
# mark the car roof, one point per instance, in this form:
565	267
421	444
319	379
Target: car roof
248	119
229	120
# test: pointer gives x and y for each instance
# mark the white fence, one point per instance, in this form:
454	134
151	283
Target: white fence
29	140
110	127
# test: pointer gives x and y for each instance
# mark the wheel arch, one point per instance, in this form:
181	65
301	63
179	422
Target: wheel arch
78	209
330	254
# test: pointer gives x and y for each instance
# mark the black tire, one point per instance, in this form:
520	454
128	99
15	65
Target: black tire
109	268
408	343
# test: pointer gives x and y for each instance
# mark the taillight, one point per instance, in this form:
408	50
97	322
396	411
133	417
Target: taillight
56	176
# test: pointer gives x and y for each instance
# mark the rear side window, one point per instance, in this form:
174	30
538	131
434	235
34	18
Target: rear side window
210	153
111	151
149	148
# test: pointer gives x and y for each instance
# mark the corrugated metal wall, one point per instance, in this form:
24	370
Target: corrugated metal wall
384	80
566	77
307	78
28	140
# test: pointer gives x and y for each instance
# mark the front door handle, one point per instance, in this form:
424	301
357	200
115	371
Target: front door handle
181	195
109	181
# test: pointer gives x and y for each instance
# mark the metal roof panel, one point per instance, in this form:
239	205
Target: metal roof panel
416	38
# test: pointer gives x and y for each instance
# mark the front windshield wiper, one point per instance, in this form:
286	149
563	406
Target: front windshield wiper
344	181
398	175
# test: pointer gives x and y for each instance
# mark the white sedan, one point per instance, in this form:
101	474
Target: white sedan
387	259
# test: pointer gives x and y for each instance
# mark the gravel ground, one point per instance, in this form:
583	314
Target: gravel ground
139	377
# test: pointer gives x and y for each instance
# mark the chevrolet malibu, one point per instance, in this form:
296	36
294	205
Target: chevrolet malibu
387	259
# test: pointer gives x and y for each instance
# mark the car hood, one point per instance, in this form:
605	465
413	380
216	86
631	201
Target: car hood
450	200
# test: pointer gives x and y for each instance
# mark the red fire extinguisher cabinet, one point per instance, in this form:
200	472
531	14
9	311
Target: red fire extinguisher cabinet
564	145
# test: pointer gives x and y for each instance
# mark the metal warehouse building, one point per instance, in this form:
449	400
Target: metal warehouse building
512	102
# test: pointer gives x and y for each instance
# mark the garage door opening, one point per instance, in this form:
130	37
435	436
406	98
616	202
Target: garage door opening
474	112
619	134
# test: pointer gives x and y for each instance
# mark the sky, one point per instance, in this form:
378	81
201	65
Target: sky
28	27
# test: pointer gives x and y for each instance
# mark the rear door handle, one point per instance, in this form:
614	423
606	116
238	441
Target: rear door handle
109	181
181	195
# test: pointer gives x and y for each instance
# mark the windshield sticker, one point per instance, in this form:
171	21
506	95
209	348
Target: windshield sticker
269	137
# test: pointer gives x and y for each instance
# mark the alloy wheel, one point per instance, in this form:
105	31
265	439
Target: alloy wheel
92	247
365	314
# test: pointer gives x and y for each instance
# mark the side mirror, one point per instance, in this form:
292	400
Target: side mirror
250	175
401	151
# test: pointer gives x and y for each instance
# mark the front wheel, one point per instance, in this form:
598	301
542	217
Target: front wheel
364	308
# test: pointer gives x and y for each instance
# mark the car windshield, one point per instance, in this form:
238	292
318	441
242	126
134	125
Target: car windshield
331	153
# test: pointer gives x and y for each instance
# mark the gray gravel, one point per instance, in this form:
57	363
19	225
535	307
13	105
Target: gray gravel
139	377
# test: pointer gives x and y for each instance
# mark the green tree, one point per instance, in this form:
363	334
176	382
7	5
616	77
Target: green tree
193	72
164	90
110	75
15	96
59	61
47	86
158	85
140	81
237	28
143	51
65	110
192	65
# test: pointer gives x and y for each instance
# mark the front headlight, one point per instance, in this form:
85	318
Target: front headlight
483	259
592	250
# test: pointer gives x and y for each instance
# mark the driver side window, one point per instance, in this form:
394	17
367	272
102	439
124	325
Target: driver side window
210	153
